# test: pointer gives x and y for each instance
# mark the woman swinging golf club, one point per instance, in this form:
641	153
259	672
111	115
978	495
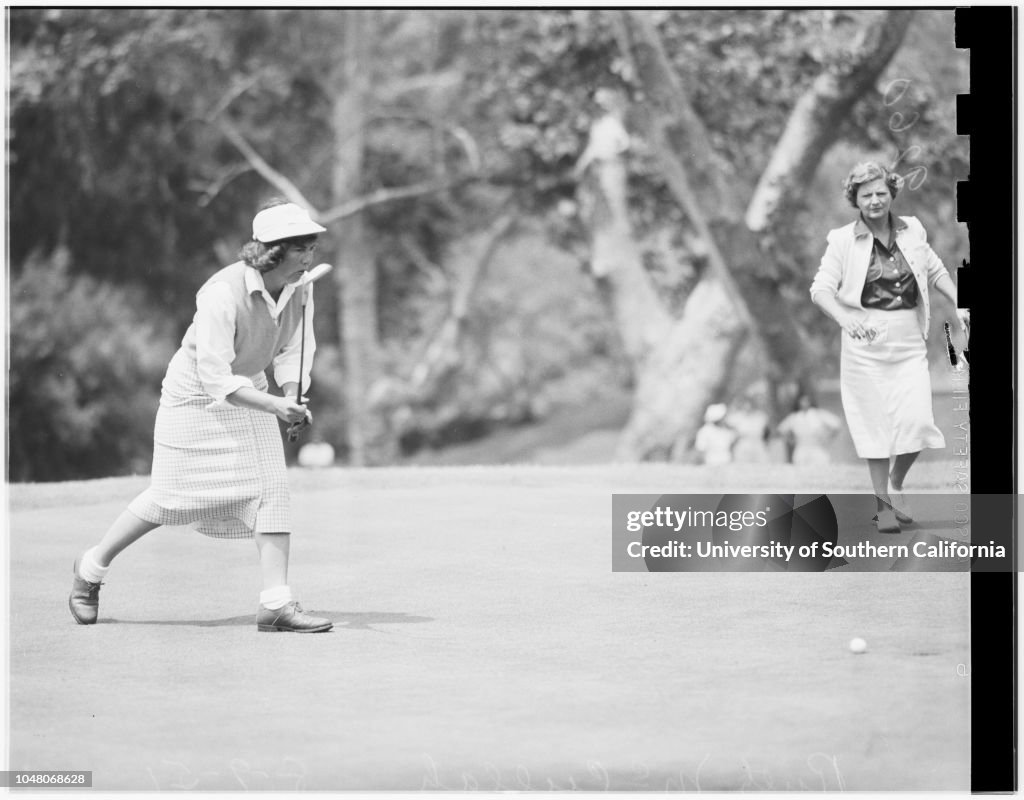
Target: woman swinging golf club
218	461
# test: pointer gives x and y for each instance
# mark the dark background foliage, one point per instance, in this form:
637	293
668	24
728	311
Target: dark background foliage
125	194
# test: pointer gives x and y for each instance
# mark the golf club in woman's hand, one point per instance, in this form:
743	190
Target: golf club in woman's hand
224	473
315	274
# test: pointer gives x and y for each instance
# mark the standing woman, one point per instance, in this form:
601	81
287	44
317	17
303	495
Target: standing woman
874	281
218	461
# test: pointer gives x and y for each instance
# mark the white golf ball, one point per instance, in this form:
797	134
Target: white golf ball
858	645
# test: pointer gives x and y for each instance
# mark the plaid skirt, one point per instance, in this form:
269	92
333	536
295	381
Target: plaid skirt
219	471
886	388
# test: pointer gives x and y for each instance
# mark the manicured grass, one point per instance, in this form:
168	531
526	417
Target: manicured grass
481	641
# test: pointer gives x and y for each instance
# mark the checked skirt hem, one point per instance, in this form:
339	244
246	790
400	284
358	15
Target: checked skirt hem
221	472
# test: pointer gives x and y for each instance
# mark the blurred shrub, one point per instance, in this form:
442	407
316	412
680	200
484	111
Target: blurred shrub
86	361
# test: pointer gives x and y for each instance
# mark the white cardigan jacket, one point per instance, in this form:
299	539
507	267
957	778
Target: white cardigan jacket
844	266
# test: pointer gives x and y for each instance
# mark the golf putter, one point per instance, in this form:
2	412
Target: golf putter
314	274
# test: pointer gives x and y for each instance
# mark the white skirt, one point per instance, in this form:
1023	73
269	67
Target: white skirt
222	471
886	389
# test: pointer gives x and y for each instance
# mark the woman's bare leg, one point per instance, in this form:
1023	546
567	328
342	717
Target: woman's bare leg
126	530
879	470
900	467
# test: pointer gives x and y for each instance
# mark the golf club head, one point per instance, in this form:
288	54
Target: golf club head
317	272
313	275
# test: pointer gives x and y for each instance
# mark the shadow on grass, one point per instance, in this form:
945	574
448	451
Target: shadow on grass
364	620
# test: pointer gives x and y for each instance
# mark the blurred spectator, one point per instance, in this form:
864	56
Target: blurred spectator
715	439
609	138
810	430
751	426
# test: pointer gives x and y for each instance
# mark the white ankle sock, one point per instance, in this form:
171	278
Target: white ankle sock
276	598
89	569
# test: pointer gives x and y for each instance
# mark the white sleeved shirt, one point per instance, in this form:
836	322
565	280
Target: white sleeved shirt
844	266
214	326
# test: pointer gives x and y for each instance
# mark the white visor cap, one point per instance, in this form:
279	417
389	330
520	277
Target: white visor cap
283	222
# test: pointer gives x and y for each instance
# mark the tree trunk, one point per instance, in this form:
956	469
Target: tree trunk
667	117
681	377
667	356
368	440
442	355
617	265
811	128
692	367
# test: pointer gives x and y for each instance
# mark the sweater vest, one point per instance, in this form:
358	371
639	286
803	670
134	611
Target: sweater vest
258	338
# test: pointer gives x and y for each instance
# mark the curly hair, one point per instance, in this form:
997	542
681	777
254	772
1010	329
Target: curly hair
865	172
265	256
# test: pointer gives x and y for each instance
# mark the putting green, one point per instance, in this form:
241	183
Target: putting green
481	641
